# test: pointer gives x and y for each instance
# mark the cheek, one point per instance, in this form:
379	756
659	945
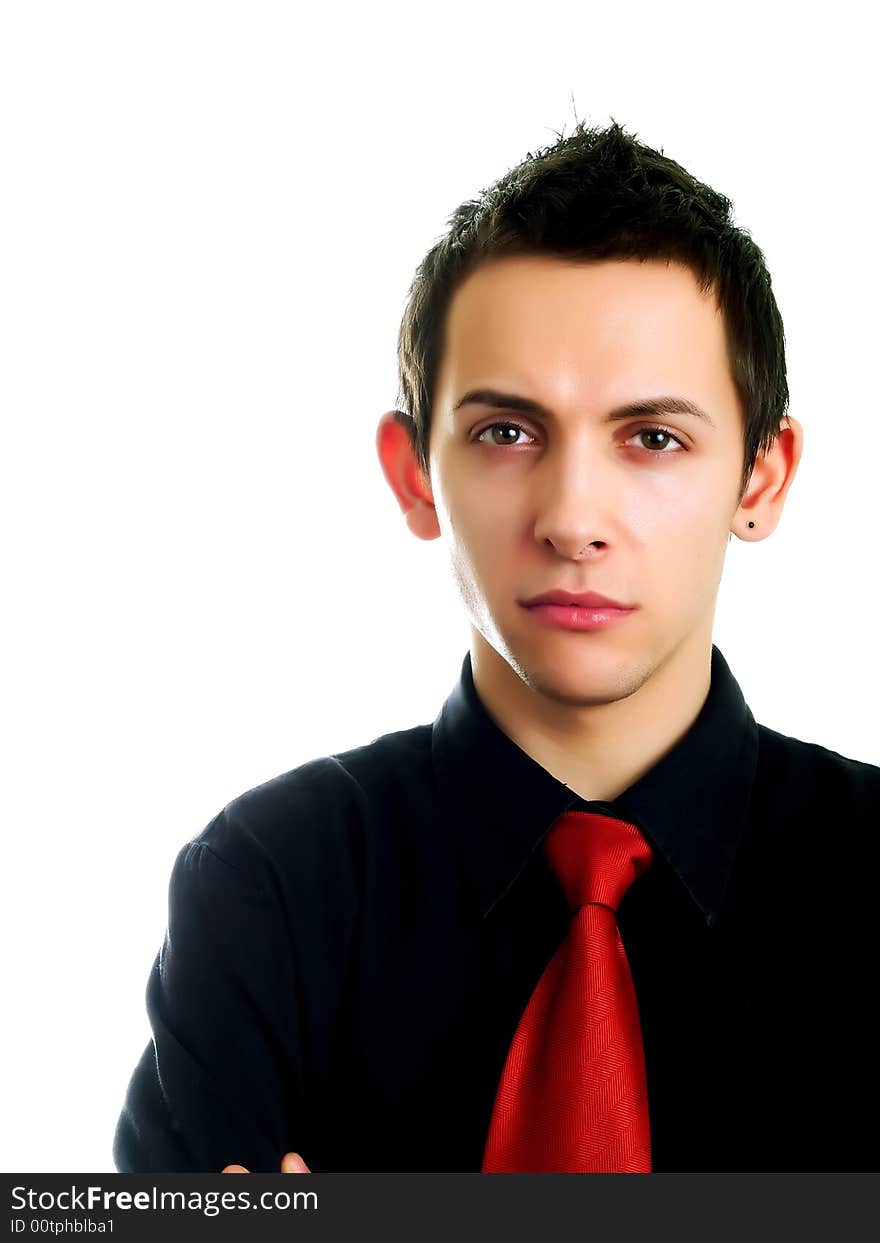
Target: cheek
682	548
695	515
699	560
475	526
475	553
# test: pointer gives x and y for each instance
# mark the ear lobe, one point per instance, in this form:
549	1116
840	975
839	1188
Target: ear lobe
422	521
771	478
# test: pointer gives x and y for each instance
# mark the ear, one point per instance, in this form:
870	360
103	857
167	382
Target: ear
767	489
401	468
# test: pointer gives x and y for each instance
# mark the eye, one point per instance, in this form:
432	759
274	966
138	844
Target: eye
510	427
665	433
656	430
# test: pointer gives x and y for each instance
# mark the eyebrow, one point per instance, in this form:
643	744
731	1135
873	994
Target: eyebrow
633	409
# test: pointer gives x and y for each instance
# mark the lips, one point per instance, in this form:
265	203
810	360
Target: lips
583	599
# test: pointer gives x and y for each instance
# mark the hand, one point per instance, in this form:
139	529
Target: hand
291	1163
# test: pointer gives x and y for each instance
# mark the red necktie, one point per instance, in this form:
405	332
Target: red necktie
573	1095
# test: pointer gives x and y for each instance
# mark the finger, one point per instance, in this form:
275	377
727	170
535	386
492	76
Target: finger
234	1169
292	1163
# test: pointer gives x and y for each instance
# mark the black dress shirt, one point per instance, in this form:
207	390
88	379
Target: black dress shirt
351	945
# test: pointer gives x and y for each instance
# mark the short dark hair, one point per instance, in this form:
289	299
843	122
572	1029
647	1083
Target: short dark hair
602	194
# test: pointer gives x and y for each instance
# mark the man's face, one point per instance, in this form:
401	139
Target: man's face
577	501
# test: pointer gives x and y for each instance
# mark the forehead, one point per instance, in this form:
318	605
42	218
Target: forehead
592	332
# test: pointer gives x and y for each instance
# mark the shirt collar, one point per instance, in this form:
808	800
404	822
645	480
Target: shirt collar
692	805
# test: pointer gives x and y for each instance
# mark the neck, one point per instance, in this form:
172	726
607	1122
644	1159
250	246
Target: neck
599	739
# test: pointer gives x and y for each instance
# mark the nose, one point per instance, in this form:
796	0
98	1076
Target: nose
572	515
566	548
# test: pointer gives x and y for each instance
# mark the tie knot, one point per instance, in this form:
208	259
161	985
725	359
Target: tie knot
596	858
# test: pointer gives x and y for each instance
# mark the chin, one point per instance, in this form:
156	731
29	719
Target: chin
591	676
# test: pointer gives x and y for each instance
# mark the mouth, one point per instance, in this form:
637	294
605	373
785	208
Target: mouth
581	599
582	611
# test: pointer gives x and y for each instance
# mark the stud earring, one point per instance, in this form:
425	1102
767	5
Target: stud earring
751	524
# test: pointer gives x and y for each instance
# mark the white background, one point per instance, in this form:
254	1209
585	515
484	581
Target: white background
210	217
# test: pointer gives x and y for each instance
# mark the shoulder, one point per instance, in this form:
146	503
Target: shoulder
316	814
816	774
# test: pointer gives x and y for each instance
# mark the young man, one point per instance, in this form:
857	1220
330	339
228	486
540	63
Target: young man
593	917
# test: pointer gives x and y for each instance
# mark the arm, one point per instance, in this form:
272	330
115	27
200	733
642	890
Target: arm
222	1079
